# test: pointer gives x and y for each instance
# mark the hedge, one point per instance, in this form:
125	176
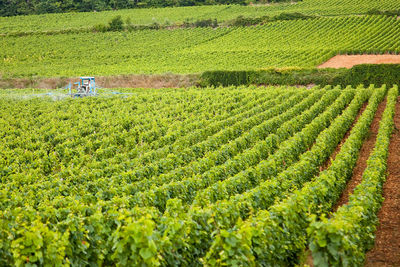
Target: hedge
366	74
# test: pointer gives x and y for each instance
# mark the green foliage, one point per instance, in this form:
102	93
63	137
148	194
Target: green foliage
116	24
206	23
271	76
268	241
100	28
379	75
242	21
377	11
19	7
136	244
148	16
343	239
36	244
181	50
227	78
177	176
292	16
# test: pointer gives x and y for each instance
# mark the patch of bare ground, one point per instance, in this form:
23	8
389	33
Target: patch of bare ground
120	81
348	61
386	251
361	163
308	257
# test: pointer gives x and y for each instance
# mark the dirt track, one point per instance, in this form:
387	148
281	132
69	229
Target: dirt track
119	81
348	61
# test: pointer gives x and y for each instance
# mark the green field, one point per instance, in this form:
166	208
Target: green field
200	176
54	22
174	176
304	43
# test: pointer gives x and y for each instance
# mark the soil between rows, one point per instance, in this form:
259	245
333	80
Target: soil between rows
386	251
361	163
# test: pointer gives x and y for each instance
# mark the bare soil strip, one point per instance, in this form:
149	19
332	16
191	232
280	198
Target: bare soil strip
327	163
120	81
348	61
361	164
386	251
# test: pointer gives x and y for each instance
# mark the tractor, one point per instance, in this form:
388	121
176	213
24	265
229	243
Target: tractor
86	87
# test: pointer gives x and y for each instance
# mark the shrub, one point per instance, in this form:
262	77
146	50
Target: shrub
116	24
242	21
292	16
384	12
100	28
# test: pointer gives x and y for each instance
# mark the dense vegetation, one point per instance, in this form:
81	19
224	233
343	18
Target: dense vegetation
22	7
346	236
178	15
365	74
295	43
175	176
211	176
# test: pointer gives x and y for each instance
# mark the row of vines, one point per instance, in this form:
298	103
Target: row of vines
165	16
304	43
183	176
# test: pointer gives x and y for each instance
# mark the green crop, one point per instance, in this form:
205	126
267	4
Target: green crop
146	16
304	43
180	176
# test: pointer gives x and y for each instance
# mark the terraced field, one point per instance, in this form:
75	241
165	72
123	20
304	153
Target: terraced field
186	176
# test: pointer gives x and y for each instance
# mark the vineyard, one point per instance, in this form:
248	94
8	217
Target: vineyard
297	43
60	22
227	176
265	158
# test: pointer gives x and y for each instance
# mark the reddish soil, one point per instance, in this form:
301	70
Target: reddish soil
386	251
348	61
361	164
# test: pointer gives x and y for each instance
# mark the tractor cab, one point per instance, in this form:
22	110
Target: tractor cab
85	87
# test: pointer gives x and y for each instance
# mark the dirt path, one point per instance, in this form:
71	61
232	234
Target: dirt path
386	251
361	164
348	61
119	81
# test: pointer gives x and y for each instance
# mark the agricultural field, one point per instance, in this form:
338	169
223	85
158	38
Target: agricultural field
256	174
226	176
282	44
61	22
